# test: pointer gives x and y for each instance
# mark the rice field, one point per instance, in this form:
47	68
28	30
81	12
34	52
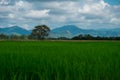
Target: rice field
59	60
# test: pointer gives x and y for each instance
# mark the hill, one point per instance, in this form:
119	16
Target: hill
72	30
14	30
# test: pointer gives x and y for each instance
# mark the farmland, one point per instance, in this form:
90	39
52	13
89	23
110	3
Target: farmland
59	60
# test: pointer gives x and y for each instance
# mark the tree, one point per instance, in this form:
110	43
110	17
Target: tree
40	32
14	37
24	37
3	36
88	37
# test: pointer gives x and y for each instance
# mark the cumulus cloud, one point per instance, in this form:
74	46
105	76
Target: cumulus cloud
84	13
11	16
49	0
38	13
94	8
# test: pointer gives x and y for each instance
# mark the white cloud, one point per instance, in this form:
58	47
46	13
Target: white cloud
94	8
26	26
57	19
115	20
11	16
23	5
38	13
20	3
4	2
5	8
81	12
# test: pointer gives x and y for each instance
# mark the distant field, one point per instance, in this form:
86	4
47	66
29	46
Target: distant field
59	60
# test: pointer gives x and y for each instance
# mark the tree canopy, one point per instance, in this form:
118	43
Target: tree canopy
40	32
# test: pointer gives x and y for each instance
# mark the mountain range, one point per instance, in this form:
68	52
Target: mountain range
14	30
72	30
64	31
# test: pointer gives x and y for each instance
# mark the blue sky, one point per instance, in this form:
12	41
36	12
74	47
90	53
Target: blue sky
113	2
87	14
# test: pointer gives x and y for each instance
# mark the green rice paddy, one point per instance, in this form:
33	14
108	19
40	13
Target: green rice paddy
59	60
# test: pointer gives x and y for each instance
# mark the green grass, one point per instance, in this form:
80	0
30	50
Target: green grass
47	60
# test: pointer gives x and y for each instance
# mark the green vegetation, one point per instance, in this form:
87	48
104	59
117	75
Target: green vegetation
57	60
40	32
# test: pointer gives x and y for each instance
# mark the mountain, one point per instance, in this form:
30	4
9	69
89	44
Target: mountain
14	30
72	30
109	32
68	31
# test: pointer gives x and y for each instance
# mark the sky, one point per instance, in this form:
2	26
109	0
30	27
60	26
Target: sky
86	14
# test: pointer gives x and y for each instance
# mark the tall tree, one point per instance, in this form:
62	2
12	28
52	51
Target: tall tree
40	32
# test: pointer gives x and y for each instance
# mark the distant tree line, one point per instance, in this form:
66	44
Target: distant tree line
89	37
80	37
41	32
13	37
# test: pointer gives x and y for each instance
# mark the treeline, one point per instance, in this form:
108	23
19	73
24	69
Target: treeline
13	37
79	37
89	37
